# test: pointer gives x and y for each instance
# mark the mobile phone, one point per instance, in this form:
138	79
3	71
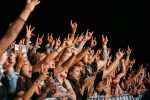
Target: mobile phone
23	48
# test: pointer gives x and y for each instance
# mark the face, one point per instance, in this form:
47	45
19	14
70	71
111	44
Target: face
75	74
81	66
3	58
27	71
88	58
64	74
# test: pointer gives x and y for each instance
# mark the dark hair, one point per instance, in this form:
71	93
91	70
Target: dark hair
71	70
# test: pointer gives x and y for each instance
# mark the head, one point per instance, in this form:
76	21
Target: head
64	74
26	71
88	58
74	73
80	64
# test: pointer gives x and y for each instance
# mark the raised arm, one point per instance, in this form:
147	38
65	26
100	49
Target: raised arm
122	73
87	37
18	24
129	50
28	94
114	64
67	64
84	52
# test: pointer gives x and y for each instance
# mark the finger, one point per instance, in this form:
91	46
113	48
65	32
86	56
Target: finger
38	37
37	2
71	22
128	47
47	34
26	27
59	38
102	36
32	29
32	34
87	30
29	27
42	36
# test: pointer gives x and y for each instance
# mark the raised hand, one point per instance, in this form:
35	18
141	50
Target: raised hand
93	42
43	74
104	40
73	26
30	5
129	50
49	38
81	37
88	35
119	54
74	50
67	43
29	31
39	41
131	62
97	54
58	42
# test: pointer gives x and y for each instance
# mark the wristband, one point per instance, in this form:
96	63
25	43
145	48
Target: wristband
22	19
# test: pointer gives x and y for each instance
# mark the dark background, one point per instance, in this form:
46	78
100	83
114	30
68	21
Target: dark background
125	22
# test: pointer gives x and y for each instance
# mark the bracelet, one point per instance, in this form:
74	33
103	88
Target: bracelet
22	19
36	83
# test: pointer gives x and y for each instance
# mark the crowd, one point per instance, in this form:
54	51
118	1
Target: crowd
65	69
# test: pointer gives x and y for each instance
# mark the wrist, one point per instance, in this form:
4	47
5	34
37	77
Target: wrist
22	19
37	82
88	48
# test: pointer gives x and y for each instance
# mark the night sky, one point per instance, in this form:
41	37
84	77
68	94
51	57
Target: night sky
125	23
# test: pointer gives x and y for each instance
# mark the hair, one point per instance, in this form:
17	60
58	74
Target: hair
71	70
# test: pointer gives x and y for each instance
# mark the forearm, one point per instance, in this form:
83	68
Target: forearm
112	67
66	65
11	34
27	40
104	53
81	45
80	56
14	30
28	94
65	55
127	59
46	60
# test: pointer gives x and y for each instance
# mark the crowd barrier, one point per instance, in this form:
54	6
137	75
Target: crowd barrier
120	97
